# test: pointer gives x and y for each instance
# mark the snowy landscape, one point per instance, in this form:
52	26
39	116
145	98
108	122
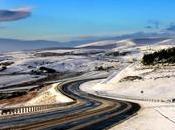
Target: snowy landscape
128	79
87	65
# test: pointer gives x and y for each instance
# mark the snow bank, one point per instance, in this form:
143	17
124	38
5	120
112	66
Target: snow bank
50	96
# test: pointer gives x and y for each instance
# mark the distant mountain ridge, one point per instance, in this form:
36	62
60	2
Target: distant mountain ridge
18	45
137	38
111	44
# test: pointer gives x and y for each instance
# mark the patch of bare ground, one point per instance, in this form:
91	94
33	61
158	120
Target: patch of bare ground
19	99
131	78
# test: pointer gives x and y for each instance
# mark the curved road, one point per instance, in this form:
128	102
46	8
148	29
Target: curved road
88	113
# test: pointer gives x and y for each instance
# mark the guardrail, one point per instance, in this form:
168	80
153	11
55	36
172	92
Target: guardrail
102	93
30	109
39	108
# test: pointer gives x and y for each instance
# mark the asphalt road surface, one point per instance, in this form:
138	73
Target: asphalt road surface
88	113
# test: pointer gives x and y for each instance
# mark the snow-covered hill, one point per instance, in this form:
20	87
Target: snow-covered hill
166	42
112	54
150	86
109	44
130	79
153	88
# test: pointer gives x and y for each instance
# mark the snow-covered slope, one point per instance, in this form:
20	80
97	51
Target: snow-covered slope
166	42
72	60
153	90
109	44
49	96
84	57
155	82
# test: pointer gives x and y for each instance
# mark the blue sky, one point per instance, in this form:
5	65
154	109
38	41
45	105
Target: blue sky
68	19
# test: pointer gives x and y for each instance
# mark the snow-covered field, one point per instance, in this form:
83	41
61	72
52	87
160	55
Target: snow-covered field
21	65
150	86
9	80
155	82
60	63
82	58
148	119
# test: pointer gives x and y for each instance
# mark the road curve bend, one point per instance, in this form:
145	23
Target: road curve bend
90	112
